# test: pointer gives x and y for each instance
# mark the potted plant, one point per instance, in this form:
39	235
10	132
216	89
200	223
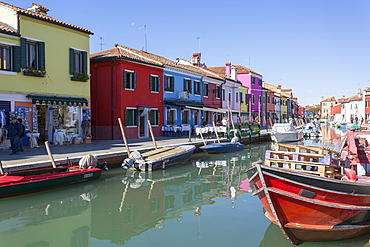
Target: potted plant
79	77
34	72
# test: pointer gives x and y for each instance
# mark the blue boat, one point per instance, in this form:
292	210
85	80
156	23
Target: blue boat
224	147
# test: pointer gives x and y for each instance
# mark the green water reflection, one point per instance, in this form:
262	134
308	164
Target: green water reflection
204	202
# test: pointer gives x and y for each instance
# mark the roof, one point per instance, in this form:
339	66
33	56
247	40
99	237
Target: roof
329	99
31	14
6	30
270	87
240	68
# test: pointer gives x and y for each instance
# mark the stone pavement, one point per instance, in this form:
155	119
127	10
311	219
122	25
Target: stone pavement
38	157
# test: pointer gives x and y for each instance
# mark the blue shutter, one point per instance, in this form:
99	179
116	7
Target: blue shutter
16	58
23	53
71	60
41	55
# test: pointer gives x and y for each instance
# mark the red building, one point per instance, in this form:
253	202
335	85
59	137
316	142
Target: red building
125	84
367	105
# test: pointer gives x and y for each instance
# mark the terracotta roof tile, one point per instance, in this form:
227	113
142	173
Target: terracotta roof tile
240	68
330	99
6	30
44	17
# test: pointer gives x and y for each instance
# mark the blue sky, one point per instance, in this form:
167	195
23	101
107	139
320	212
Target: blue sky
319	48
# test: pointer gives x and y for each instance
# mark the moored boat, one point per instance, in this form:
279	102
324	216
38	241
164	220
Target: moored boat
27	181
285	132
223	147
158	158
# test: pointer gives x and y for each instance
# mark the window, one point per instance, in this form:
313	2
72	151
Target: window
236	96
129	80
223	94
131	117
185	117
171	117
253	99
154	83
218	92
253	80
153	116
5	57
260	82
246	98
78	65
32	56
187	85
268	99
205	89
259	99
197	87
241	97
169	83
367	104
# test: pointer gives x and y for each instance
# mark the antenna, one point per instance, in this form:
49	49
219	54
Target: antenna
101	43
198	38
146	43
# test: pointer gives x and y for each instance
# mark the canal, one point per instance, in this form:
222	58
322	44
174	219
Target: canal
203	202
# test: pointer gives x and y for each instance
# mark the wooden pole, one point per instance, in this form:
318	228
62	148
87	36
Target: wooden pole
1	168
214	127
201	135
123	136
50	155
151	133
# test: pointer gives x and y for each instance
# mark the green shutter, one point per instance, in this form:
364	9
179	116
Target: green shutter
158	118
23	53
151	83
159	84
16	58
41	55
134	77
126	117
71	60
84	62
136	117
124	79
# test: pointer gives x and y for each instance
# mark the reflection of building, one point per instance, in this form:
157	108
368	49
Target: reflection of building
46	96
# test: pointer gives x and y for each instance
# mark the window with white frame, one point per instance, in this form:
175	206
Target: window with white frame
185	117
169	83
218	92
171	117
197	87
5	57
153	116
129	79
187	85
154	83
205	89
131	117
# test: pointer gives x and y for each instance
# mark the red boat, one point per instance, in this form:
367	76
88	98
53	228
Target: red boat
310	207
22	182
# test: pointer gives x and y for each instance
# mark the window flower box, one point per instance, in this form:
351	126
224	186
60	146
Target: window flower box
34	72
80	77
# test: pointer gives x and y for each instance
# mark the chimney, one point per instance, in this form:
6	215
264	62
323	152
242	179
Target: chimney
195	60
38	9
228	69
234	72
279	89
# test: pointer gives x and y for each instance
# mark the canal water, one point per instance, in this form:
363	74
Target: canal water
203	202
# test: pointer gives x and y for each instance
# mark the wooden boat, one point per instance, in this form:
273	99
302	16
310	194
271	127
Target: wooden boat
309	197
158	158
27	181
223	147
285	132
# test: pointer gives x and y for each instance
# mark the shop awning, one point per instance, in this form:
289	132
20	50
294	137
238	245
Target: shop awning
43	99
207	109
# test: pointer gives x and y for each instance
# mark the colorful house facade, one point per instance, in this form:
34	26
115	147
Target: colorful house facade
126	84
46	73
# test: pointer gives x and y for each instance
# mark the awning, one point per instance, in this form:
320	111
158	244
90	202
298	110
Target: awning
207	109
41	99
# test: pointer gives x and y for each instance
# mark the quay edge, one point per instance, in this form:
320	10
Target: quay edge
114	155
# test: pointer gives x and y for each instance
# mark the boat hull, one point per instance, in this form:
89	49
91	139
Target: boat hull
287	136
222	147
17	185
172	161
311	208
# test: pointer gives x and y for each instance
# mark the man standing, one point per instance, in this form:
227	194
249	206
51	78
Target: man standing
14	130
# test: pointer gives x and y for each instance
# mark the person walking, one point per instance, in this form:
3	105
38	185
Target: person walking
23	129
14	131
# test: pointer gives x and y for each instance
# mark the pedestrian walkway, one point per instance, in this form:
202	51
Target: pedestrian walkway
38	157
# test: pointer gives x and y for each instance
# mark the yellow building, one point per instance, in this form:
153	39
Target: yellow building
244	108
44	73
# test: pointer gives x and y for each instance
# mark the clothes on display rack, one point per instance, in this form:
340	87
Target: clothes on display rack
33	139
2	119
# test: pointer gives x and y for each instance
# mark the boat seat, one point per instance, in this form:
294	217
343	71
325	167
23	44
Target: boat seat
165	154
155	151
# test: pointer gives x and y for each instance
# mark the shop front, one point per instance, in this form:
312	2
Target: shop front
59	120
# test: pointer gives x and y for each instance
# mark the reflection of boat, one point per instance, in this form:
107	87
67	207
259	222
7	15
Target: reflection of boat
27	181
158	158
285	132
223	147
